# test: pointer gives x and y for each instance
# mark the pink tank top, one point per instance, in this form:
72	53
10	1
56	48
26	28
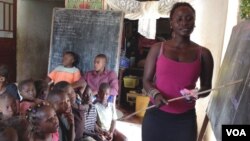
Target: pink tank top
173	76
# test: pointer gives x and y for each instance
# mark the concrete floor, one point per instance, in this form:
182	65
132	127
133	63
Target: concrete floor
132	126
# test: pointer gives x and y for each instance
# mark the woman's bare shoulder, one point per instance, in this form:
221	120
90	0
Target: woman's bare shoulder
203	49
155	49
205	52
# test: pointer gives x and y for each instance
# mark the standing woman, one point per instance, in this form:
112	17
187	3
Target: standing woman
171	67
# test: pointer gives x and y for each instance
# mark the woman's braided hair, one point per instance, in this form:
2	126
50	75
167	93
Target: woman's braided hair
180	4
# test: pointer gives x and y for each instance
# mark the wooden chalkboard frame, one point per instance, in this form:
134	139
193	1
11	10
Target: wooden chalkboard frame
113	62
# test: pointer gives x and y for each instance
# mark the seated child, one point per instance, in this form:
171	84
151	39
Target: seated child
4	86
43	122
61	103
107	115
42	89
67	71
90	117
8	106
8	133
19	124
28	92
77	109
100	74
67	88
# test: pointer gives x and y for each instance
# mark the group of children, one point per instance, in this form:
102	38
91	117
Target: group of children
68	110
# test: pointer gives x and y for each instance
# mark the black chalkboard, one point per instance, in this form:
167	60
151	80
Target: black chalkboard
87	33
231	105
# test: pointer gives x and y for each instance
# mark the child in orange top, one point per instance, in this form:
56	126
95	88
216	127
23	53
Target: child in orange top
67	71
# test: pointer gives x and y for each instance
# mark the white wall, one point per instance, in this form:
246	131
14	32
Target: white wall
211	21
211	18
232	20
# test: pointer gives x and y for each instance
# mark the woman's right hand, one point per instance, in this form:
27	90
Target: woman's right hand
159	100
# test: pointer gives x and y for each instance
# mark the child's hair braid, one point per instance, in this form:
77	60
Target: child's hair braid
32	116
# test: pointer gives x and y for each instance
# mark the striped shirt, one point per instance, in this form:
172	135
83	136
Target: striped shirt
90	119
62	73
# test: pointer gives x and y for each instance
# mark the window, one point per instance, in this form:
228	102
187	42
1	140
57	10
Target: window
6	18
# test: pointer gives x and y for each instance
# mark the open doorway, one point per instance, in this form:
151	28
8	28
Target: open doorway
136	48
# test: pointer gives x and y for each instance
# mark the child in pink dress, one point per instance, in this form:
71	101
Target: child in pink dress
28	92
43	122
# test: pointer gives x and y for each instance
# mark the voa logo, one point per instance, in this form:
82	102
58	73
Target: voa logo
236	132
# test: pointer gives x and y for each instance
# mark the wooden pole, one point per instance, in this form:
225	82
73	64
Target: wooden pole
203	128
183	97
